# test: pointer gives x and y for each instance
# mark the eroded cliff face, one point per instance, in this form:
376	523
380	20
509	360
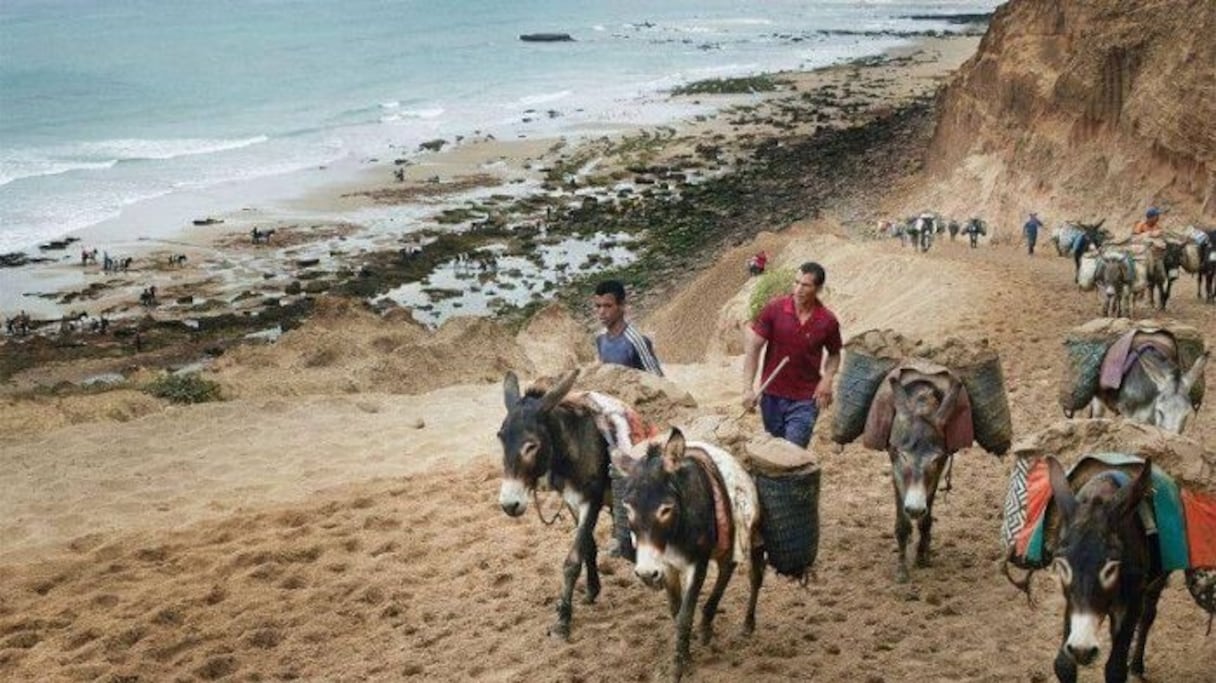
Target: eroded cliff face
1082	108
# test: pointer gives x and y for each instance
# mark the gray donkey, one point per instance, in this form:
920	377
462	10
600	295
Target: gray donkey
1154	391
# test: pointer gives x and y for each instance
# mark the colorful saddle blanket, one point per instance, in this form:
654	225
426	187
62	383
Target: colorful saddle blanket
1184	522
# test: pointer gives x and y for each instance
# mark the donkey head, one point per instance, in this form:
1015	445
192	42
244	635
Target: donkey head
527	445
918	441
1091	555
1172	405
655	505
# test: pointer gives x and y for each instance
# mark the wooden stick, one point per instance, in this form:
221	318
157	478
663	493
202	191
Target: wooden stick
772	376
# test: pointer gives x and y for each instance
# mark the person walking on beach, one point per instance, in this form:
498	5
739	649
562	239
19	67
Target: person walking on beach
793	331
1031	231
620	343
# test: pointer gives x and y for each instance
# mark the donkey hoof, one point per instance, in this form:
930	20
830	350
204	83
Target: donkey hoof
901	575
749	627
560	631
924	560
590	597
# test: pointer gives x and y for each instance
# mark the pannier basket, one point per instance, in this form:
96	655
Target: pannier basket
790	521
859	381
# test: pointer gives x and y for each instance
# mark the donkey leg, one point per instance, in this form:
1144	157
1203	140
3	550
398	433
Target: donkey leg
710	609
756	575
903	530
691	582
1065	667
1121	632
589	555
571	568
925	526
1151	596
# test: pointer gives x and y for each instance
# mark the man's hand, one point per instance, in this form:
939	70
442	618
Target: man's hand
823	393
749	400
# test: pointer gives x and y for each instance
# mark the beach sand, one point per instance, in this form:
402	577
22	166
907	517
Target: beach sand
338	214
336	518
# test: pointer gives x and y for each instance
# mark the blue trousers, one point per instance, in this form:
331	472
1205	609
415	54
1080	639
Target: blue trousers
789	419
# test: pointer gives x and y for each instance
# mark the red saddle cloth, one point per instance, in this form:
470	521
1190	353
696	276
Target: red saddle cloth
1124	352
1200	512
724	526
960	430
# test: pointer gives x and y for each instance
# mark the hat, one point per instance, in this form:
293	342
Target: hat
1153	212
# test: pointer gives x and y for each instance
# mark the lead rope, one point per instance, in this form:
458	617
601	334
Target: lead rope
536	502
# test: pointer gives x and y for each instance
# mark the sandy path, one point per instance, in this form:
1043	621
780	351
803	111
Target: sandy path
420	576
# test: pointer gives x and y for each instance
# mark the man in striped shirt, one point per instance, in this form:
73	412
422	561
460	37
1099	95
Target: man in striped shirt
620	342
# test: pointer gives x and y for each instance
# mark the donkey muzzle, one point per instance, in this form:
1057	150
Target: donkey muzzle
513	497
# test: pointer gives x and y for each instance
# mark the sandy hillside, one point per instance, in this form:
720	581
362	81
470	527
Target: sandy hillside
332	536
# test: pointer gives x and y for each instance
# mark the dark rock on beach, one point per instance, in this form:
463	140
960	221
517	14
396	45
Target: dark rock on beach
546	38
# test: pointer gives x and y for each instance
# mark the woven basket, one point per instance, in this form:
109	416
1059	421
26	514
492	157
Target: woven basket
790	521
859	380
620	518
1202	585
990	416
1082	365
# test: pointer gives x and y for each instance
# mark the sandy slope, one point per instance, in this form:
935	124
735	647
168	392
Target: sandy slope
217	558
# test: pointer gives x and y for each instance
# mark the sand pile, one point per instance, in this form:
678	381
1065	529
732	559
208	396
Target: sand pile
555	342
656	398
346	349
1184	458
867	287
39	414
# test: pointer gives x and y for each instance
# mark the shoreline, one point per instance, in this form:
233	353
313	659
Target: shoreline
499	197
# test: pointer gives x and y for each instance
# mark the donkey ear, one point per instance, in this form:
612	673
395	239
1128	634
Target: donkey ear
673	450
1099	224
902	403
510	390
949	402
1061	491
555	395
1195	373
1131	495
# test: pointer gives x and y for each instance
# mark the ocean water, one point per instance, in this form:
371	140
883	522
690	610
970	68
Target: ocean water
107	104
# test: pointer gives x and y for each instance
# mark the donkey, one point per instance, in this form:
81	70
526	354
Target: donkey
953	227
917	448
545	441
973	229
1114	279
1154	391
1106	570
926	227
670	502
1162	272
1205	279
1092	235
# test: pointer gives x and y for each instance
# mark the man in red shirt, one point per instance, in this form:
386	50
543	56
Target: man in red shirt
798	327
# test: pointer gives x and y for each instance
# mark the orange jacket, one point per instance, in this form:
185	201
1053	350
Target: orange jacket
1147	228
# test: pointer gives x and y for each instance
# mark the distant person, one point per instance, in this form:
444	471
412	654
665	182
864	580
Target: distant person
620	343
1151	225
801	328
758	263
1031	232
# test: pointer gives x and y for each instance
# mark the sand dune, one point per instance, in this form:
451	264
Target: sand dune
326	537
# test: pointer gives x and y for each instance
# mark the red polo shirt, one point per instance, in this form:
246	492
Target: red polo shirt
803	342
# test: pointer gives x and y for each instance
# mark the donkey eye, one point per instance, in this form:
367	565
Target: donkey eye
1063	570
664	512
630	512
1109	574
